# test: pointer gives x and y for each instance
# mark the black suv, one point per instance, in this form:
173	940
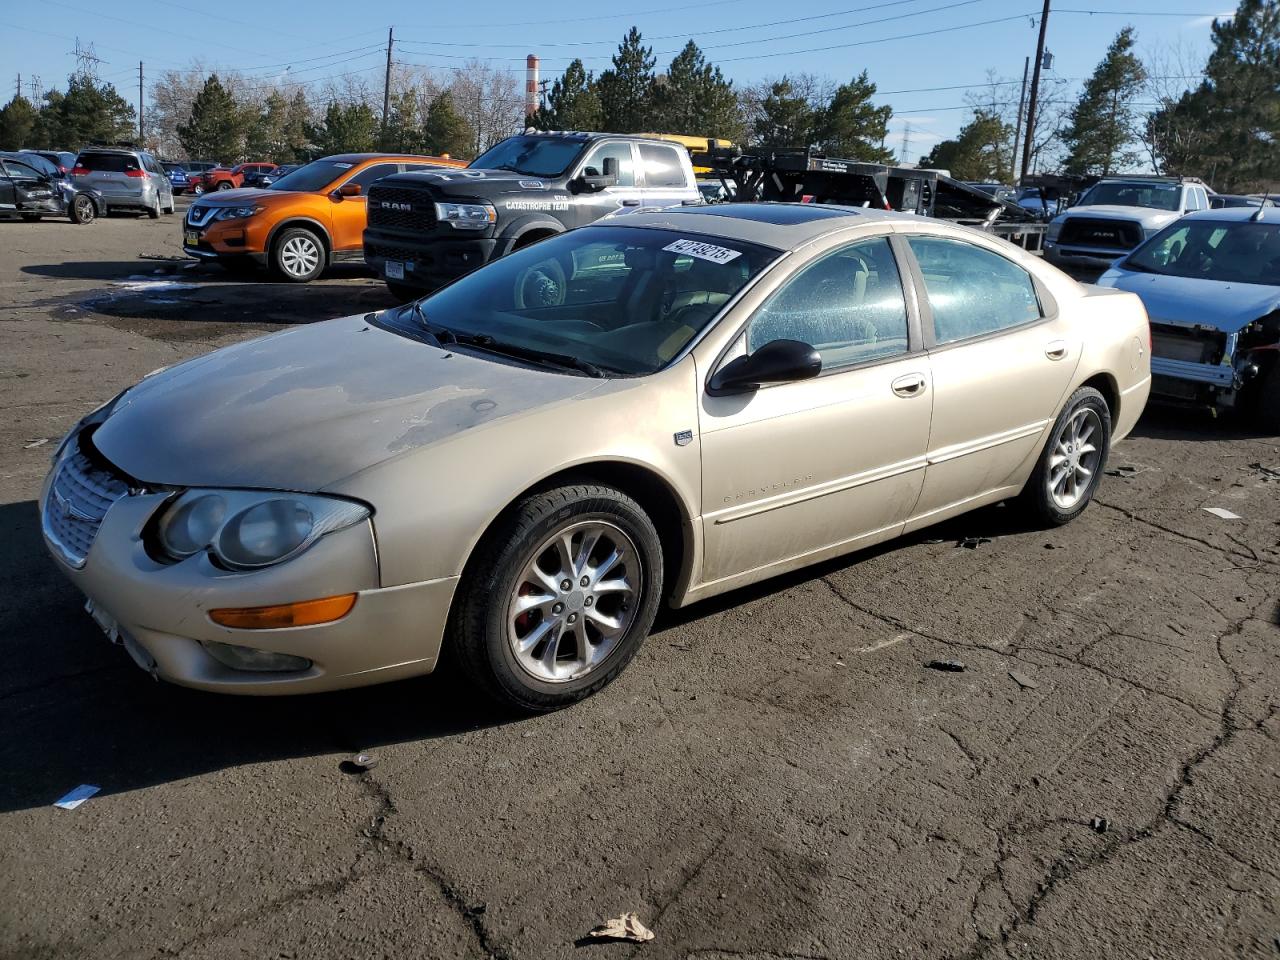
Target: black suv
427	228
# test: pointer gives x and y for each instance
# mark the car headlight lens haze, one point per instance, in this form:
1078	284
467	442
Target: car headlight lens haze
247	529
236	213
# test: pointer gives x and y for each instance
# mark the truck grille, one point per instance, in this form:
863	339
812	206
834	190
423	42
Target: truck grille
400	209
1192	346
1090	232
79	497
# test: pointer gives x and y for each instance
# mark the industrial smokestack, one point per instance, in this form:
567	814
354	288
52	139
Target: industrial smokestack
531	86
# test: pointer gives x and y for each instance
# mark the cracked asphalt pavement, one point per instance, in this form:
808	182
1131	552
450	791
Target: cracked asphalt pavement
776	775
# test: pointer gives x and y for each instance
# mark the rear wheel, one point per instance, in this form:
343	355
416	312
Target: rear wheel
83	210
197	190
154	211
226	185
558	597
298	255
1070	466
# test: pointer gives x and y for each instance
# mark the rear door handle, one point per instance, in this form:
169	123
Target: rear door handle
631	203
1056	349
909	385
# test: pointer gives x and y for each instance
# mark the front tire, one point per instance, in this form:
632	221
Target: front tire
558	597
83	210
226	185
298	255
1070	466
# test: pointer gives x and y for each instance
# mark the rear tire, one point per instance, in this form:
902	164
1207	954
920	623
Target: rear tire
83	210
526	627
1070	466
298	255
226	185
154	212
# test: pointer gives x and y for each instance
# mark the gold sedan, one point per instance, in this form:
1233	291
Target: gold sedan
525	464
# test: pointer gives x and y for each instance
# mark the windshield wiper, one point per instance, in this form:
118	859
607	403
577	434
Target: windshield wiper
521	352
438	334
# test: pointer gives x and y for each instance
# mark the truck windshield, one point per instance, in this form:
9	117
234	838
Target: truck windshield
1232	251
608	299
1160	196
534	156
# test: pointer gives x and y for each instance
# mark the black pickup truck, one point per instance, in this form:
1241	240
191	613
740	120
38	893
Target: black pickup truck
425	229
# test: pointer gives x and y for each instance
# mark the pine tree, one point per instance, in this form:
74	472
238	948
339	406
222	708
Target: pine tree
694	99
1103	125
626	89
91	111
852	127
17	123
297	123
785	119
346	129
1228	127
573	102
266	129
979	152
213	130
403	133
445	131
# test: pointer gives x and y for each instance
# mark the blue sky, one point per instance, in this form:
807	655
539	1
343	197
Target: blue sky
906	46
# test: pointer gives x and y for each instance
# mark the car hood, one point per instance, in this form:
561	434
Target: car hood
1228	307
468	181
226	198
305	408
1146	215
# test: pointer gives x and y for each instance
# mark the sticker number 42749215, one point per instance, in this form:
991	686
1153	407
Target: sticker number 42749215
703	251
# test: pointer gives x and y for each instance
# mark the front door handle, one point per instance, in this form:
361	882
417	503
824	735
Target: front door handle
909	385
1056	349
631	203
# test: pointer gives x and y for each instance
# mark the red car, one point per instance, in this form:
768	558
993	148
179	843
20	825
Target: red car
222	178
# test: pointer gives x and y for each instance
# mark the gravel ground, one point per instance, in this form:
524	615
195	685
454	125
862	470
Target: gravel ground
776	775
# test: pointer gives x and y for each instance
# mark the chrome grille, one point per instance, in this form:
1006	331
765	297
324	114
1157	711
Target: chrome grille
401	209
199	216
79	497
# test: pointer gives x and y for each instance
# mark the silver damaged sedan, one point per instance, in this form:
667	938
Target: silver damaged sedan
524	464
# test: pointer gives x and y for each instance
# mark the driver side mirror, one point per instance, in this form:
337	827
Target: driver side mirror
348	190
595	182
778	361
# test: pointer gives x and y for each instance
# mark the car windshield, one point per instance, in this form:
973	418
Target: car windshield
316	175
603	299
1232	251
1160	196
534	156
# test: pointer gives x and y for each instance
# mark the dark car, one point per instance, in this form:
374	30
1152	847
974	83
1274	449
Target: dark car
265	178
28	189
177	174
62	159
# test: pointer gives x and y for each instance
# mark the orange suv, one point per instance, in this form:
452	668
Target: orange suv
303	222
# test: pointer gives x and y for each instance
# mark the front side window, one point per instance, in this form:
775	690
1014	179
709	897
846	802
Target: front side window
662	166
621	154
972	291
625	300
1227	251
848	304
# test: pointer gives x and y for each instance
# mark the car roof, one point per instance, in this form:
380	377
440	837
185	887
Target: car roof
361	157
782	225
1269	214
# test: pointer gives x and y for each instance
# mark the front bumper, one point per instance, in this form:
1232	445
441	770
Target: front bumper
1090	258
431	263
246	237
162	608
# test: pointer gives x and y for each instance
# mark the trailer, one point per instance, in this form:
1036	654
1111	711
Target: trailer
808	176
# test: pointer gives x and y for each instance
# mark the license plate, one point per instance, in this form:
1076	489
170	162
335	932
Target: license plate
191	238
395	270
104	620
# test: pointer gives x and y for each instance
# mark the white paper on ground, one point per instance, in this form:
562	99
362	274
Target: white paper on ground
77	796
1222	513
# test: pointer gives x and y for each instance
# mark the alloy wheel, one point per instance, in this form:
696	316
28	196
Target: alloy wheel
574	601
1075	458
84	210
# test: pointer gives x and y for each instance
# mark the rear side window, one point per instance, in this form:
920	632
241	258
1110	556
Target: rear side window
375	172
972	291
661	166
108	162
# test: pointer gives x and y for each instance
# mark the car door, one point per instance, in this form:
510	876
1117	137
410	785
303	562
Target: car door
351	213
665	182
626	195
8	201
1002	360
817	467
32	189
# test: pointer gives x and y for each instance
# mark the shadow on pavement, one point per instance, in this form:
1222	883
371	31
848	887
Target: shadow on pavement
1165	421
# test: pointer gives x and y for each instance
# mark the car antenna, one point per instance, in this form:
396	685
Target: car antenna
1257	217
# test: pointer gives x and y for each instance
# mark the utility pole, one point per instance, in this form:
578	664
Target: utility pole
142	137
1035	90
1022	103
386	84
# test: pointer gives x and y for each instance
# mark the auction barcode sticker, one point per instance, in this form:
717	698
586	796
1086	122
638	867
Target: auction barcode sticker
703	251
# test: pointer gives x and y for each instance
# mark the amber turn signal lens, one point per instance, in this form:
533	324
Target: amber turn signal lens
304	613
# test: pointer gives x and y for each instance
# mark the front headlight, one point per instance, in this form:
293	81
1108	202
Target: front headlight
466	216
248	529
236	213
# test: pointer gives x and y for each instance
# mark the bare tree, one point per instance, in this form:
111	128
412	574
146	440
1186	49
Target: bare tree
1172	70
489	99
